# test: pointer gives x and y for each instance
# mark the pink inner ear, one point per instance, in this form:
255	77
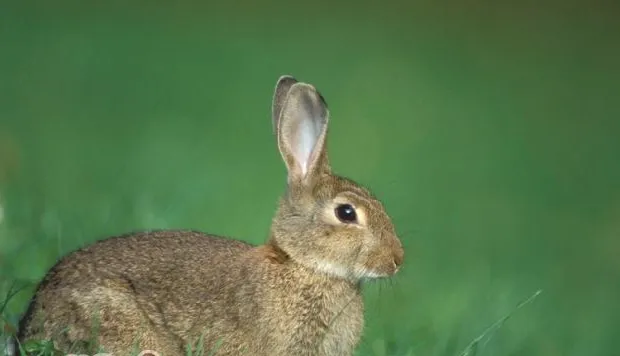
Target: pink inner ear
307	135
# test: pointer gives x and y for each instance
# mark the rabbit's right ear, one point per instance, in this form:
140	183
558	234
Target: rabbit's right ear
301	133
284	84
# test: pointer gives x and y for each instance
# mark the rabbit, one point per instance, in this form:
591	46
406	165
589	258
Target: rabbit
299	293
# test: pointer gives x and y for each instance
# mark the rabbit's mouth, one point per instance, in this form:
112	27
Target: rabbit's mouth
376	273
357	273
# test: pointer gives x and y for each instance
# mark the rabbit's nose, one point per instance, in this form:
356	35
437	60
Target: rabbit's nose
399	256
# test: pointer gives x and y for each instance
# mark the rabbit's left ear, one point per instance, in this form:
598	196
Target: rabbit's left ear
302	132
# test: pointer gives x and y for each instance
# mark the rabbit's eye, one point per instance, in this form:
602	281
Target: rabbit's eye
346	213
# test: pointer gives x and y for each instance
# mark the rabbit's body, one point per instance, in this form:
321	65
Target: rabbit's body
173	300
298	294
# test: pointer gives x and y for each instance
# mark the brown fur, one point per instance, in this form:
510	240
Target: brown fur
298	294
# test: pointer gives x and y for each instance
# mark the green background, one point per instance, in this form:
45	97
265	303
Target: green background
491	132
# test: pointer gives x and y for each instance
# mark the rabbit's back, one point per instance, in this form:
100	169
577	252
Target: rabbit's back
150	259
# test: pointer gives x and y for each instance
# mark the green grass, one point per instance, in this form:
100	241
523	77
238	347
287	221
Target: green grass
489	130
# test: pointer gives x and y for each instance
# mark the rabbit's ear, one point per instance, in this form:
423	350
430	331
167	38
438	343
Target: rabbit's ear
302	132
284	84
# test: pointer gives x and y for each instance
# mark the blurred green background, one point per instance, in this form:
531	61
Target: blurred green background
490	130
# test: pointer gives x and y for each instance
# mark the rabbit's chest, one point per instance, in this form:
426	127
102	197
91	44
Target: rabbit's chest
328	324
344	328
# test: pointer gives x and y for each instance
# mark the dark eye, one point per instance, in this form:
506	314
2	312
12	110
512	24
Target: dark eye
346	213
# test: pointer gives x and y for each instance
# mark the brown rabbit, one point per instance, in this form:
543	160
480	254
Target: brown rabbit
298	294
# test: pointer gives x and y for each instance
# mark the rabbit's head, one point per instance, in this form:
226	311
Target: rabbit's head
325	222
